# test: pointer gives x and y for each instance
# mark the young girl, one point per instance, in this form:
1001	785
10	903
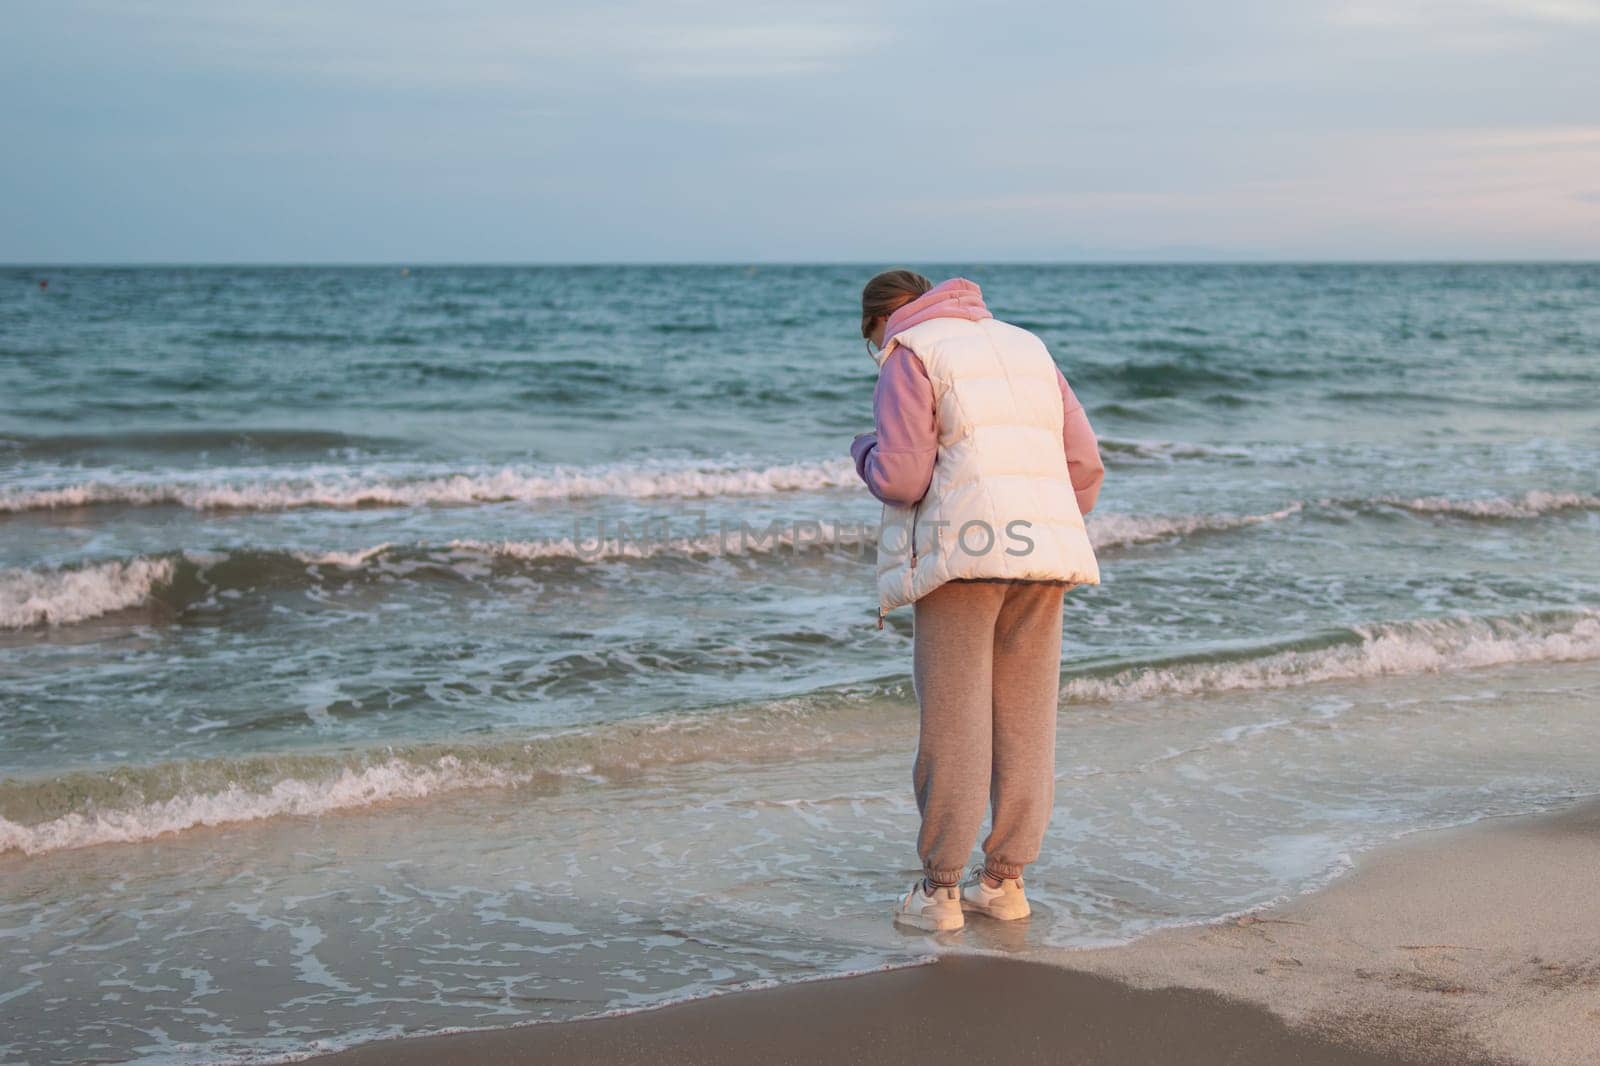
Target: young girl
986	464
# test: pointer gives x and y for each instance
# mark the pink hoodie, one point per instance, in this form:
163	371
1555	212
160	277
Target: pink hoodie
897	460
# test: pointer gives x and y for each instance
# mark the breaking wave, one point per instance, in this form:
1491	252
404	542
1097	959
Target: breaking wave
130	803
58	597
61	597
127	804
1115	450
1119	530
633	481
1380	650
171	582
1529	505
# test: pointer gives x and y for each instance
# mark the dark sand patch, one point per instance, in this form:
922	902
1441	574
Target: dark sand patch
962	1009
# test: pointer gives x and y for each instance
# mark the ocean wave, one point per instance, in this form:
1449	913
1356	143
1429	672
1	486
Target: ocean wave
178	580
1117	450
1358	653
1187	371
349	560
1120	530
637	481
130	803
1532	504
30	598
348	787
126	804
58	597
191	441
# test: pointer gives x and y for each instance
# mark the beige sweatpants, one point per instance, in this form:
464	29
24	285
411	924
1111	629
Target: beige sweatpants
986	665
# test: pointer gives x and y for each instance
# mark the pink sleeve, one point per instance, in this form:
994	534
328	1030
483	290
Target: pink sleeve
896	461
1083	451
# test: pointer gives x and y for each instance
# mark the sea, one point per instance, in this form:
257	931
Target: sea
389	650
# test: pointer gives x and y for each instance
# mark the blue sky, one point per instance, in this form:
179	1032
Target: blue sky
189	130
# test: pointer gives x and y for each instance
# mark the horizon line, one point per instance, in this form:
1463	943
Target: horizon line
590	263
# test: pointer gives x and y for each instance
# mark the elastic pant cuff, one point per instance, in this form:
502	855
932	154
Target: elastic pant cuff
1003	871
943	878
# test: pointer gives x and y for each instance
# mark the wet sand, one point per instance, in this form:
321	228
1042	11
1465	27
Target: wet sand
1482	941
1476	945
962	1009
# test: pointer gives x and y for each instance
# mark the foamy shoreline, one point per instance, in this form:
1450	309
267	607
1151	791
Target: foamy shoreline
132	804
1437	948
1475	942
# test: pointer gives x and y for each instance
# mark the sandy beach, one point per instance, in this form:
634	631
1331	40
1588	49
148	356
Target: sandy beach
1473	945
1482	941
962	1009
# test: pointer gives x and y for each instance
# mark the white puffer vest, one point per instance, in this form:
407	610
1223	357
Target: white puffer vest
1001	503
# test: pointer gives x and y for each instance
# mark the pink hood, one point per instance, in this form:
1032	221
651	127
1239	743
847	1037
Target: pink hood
956	298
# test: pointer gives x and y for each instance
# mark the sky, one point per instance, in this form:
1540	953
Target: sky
399	131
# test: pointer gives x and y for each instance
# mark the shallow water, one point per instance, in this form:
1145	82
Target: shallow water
382	653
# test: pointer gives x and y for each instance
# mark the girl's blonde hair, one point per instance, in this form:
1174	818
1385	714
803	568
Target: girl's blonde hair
888	292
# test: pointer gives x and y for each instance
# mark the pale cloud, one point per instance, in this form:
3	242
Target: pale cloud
747	50
1466	27
1551	137
1352	193
1444	14
518	130
503	45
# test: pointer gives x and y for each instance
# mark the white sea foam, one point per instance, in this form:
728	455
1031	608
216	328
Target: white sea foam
395	779
1167	451
1528	505
61	597
1120	530
1427	646
641	481
134	803
349	560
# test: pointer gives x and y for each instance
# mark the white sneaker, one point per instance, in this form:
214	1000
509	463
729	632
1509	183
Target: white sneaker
936	912
1006	903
